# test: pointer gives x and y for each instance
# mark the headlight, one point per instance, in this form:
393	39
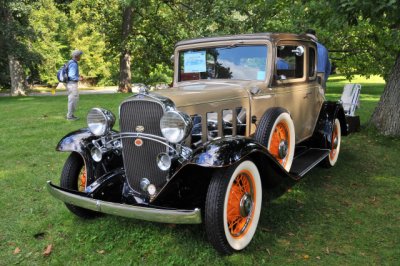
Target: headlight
175	126
100	121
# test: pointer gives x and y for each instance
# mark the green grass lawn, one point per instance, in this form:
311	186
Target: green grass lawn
346	215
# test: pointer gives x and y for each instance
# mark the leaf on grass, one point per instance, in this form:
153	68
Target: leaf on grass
306	257
17	250
39	235
269	253
101	251
48	250
327	250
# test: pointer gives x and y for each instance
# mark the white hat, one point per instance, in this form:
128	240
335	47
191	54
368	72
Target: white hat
76	53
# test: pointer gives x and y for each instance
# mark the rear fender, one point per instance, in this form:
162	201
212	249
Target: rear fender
323	131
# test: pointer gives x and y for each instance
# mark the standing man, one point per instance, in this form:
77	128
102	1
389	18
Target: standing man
72	84
323	63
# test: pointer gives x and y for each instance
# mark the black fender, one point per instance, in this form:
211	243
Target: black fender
80	141
323	130
225	152
75	141
196	173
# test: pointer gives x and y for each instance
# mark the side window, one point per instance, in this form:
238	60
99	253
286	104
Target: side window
311	62
290	61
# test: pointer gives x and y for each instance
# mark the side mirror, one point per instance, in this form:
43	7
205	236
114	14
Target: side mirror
280	77
299	51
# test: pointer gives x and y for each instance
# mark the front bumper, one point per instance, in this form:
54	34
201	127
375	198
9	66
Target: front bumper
174	216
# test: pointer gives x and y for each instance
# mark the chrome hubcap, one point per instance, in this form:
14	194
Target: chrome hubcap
246	205
335	142
283	149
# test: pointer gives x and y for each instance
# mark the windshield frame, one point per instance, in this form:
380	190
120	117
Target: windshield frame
221	44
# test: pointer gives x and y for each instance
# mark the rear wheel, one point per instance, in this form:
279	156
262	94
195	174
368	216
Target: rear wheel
74	177
233	207
336	139
276	131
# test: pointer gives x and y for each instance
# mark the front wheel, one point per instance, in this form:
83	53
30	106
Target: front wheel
233	206
74	177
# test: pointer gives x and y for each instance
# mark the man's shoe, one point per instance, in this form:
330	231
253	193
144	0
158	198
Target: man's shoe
72	118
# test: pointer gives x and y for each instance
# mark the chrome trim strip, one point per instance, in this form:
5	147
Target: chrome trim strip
155	138
165	102
142	136
129	211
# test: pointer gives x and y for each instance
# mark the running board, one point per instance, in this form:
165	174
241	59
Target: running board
307	161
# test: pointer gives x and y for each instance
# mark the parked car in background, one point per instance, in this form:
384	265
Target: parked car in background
246	118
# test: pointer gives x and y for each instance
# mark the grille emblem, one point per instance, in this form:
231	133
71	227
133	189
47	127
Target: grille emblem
139	129
138	142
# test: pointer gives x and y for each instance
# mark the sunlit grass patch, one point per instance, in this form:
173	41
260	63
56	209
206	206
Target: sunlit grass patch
346	215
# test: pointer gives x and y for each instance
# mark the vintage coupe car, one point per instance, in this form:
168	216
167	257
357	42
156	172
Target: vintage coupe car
246	118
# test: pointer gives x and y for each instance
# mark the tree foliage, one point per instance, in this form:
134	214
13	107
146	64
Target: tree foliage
361	35
15	36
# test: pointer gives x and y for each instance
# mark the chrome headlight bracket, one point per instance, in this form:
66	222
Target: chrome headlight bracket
100	121
175	126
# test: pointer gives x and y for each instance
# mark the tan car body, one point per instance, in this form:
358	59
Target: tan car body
301	97
165	166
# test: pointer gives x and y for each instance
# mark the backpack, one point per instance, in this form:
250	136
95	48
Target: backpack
62	73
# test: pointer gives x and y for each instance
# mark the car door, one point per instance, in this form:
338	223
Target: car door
292	90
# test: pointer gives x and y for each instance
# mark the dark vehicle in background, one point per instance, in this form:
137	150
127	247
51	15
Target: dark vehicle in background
246	118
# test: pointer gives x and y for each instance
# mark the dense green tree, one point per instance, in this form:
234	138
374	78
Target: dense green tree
128	41
86	32
367	33
15	36
50	26
384	17
125	79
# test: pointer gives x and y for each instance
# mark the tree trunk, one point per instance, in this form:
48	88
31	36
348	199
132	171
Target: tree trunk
125	84
386	117
125	58
17	75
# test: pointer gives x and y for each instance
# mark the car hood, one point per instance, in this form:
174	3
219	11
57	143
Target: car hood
196	93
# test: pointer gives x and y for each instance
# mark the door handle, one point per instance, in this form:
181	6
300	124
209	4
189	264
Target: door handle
255	90
308	93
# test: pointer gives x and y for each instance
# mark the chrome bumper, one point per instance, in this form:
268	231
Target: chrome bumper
130	211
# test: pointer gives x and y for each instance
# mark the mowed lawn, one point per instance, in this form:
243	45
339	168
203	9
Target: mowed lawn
346	215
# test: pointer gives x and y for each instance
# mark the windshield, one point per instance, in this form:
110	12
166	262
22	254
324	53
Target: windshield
230	62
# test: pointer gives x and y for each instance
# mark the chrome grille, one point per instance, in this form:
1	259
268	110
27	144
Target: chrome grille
140	162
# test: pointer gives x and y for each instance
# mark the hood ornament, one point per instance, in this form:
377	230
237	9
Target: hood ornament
143	89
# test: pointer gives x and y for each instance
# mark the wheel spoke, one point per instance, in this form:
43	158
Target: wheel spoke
82	180
237	218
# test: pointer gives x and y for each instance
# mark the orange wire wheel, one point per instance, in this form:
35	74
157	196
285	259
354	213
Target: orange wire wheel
241	204
275	131
280	142
74	176
334	139
334	145
233	207
82	180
